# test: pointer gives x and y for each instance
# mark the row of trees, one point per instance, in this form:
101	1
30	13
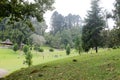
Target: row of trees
60	22
20	21
64	30
96	32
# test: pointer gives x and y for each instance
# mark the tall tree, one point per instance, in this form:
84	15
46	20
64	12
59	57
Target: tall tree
19	13
93	25
57	21
60	22
117	13
72	21
116	17
39	27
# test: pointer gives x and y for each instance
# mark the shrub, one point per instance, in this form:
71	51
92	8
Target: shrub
15	47
51	50
30	48
28	58
68	49
28	55
25	49
41	50
115	47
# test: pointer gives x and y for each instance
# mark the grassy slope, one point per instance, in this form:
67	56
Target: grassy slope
102	66
12	61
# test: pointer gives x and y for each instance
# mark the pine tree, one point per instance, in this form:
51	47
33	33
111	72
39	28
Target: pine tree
78	44
117	13
116	31
68	49
93	25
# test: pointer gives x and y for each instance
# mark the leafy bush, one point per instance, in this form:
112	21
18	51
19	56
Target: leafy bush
68	49
115	47
28	58
30	48
25	49
15	47
51	50
41	50
28	55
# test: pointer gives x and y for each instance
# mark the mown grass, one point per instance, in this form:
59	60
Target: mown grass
102	66
12	61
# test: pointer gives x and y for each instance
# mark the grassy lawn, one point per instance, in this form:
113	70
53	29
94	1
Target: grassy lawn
12	61
102	66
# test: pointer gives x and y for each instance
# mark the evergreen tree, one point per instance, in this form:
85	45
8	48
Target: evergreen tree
116	31
15	47
78	44
68	49
117	13
93	25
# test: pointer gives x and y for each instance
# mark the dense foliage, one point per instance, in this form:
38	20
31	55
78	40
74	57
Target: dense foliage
16	18
78	44
64	30
68	50
15	47
94	24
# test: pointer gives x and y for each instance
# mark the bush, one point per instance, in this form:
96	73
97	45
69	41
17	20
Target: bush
28	55
114	47
15	47
25	49
68	49
41	50
28	58
51	50
30	48
36	48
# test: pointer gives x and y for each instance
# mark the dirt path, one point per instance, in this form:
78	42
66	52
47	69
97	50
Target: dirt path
3	73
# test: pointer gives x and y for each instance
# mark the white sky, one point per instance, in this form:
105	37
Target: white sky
79	7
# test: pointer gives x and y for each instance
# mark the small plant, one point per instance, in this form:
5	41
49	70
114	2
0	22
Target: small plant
41	50
28	58
51	50
28	55
30	48
15	47
25	49
68	49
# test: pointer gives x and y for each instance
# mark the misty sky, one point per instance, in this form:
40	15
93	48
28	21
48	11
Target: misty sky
79	7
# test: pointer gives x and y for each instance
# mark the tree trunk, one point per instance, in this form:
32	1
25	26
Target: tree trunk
96	48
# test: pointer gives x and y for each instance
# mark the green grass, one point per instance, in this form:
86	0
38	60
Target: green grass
102	66
12	61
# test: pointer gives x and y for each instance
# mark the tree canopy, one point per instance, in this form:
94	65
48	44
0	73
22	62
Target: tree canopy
16	18
22	9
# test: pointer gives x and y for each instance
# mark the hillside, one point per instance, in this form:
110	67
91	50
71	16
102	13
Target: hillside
102	66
